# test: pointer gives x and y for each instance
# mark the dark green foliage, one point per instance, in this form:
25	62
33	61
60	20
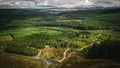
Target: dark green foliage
94	63
91	19
32	39
22	51
33	29
108	49
37	44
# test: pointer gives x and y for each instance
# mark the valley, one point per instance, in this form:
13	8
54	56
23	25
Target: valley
70	39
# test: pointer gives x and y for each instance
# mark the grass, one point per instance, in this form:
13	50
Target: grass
5	38
94	63
4	41
17	61
53	36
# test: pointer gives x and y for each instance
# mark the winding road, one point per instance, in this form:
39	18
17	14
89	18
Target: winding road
64	55
85	47
51	61
89	44
38	53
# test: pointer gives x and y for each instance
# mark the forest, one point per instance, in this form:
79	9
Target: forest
89	38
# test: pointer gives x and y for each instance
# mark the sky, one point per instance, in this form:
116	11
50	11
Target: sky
58	3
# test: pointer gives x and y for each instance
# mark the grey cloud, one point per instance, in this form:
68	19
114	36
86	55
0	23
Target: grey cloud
58	3
107	2
79	2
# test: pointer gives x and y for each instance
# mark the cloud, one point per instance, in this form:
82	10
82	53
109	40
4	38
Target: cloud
107	2
17	3
64	3
24	3
59	3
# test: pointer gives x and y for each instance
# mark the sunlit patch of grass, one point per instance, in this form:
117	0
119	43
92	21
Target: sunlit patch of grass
70	20
54	36
5	38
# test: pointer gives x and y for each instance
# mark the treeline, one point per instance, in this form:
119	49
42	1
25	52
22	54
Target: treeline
109	49
57	38
91	20
87	24
21	50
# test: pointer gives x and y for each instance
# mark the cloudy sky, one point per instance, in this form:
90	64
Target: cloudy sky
58	3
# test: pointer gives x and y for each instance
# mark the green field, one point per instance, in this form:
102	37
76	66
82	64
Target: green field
91	35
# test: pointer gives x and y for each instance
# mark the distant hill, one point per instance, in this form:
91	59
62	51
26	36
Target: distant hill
92	19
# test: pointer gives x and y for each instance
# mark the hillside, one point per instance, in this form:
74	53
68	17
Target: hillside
17	61
90	19
31	38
